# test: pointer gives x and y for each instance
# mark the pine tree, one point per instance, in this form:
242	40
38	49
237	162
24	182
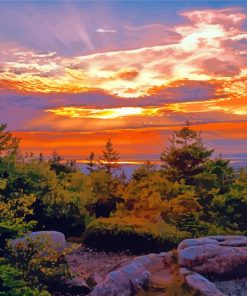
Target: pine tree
144	170
41	158
91	165
123	178
109	159
186	156
55	158
71	165
56	164
8	144
189	222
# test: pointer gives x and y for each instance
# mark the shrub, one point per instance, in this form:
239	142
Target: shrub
14	213
130	233
39	261
12	283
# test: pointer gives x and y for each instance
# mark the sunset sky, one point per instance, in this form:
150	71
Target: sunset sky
73	74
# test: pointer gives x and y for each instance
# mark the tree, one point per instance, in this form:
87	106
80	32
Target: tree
91	165
59	167
8	143
218	174
71	165
123	178
55	157
14	210
41	158
109	159
230	208
186	156
144	170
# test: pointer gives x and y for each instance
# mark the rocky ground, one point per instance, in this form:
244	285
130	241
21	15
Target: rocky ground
207	266
186	271
237	287
95	265
86	262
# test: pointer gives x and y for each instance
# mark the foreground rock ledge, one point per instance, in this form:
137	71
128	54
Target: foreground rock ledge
199	261
217	257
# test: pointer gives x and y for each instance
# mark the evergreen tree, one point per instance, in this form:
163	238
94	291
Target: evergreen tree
8	144
91	165
71	165
186	156
109	158
190	222
58	166
218	173
55	157
123	178
41	158
144	170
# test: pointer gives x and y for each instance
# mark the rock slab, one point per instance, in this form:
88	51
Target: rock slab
129	278
217	257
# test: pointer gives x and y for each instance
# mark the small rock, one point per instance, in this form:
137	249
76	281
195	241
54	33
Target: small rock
76	286
94	279
50	240
202	285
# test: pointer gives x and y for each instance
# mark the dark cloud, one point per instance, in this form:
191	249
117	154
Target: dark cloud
181	91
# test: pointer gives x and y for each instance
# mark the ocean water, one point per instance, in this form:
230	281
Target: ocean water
235	161
128	169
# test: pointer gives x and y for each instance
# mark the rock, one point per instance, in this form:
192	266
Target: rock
152	262
123	282
94	279
196	242
216	256
50	240
228	240
129	277
200	284
76	286
233	287
231	240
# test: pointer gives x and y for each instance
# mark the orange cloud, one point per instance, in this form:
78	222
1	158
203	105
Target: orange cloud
128	74
110	113
128	142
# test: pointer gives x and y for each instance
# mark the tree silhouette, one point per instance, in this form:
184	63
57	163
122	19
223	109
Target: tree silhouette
109	158
91	165
8	143
55	157
41	158
186	156
123	178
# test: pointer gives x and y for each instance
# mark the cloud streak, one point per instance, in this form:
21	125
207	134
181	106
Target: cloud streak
101	30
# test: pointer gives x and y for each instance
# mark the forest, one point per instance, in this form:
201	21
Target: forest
190	194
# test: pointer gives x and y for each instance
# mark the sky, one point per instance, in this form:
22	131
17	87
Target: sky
75	73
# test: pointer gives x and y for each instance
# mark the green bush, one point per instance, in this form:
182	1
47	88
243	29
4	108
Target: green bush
12	283
130	233
40	262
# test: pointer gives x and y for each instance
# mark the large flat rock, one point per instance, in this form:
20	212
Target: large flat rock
129	277
221	257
